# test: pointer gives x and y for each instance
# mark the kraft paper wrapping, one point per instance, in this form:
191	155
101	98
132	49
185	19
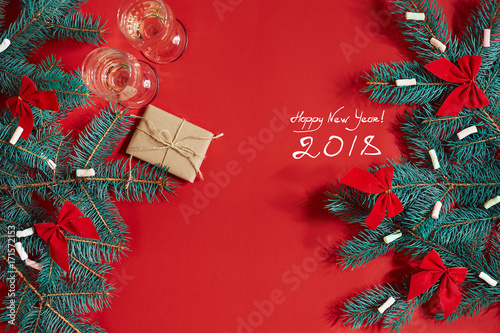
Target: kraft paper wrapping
162	138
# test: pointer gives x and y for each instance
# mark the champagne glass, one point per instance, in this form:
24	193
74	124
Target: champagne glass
119	77
151	27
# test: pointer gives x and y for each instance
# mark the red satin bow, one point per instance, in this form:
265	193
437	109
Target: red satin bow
20	105
70	219
468	94
379	183
434	268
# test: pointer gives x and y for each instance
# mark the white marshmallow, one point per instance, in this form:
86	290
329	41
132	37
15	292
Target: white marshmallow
392	237
16	136
20	250
390	301
33	264
487	38
434	158
437	210
52	165
466	132
85	172
25	233
438	44
406	82
4	45
492	202
488	279
415	16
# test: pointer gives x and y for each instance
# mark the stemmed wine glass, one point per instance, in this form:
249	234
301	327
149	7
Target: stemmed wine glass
119	77
151	27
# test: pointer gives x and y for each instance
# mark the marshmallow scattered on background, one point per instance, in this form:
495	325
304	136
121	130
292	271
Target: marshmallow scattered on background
437	43
33	264
390	301
16	136
4	45
487	38
437	210
488	279
52	165
392	237
85	172
25	233
415	16
466	132
492	202
20	250
434	158
406	82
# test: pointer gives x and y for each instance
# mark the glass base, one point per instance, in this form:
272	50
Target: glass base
148	89
178	46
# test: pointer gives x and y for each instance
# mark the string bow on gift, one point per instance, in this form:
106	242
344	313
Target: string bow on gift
467	94
434	268
167	141
378	183
70	219
20	107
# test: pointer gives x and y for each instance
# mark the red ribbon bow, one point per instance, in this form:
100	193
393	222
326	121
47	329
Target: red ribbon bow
468	94
380	183
20	105
70	219
434	268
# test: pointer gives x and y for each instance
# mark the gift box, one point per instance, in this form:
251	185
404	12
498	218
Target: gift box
162	138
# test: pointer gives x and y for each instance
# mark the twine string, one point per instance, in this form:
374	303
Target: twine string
164	137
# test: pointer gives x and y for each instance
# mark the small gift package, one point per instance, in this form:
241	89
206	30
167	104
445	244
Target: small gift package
162	138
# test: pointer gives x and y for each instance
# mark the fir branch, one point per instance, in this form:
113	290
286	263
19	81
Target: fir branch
34	152
365	247
142	180
399	316
362	309
3	6
381	84
106	219
152	182
22	276
419	33
348	204
465	234
484	16
466	226
475	299
90	271
81	27
100	138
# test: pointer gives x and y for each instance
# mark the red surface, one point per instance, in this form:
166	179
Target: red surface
255	226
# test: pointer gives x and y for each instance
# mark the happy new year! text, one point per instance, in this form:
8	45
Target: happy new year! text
349	122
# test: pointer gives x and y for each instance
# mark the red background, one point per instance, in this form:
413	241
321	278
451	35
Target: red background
256	235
